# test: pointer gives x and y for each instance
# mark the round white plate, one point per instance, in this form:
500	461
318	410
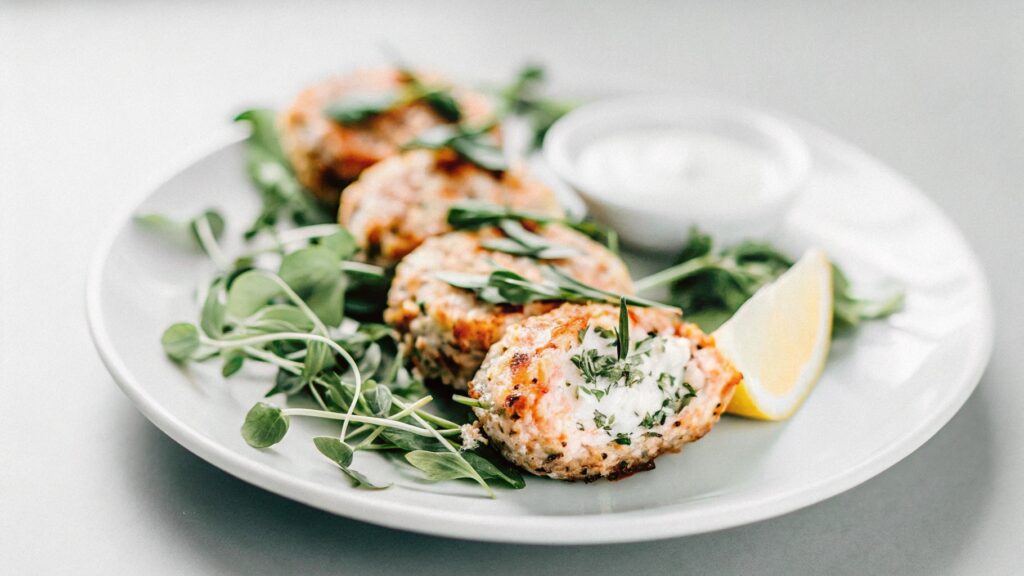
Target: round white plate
885	391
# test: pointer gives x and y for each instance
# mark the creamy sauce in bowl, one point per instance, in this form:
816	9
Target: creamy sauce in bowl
677	165
654	167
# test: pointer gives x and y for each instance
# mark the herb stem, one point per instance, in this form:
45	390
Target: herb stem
444	442
284	364
210	245
396	416
265	338
471	402
369	269
373	420
672	274
319	325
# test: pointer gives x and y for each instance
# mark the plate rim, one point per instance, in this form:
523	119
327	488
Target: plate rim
531	529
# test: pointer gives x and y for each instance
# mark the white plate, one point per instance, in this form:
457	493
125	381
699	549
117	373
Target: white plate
885	391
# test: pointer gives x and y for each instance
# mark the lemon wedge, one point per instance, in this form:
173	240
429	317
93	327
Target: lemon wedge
779	340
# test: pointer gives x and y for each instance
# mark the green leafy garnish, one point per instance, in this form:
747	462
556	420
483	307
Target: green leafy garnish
273	176
622	334
521	242
475	145
438	466
265	425
504	286
522	98
180	341
341	454
357	108
295	316
710	286
473	214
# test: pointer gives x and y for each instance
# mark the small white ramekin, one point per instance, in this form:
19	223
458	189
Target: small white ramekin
663	224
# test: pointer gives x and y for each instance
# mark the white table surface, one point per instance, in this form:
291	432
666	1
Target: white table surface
98	99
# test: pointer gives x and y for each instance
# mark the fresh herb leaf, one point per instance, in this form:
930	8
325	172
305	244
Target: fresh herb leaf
250	292
411	442
286	383
358	108
522	98
335	450
711	286
522	242
504	286
185	233
474	214
491	469
380	400
342	243
438	466
475	146
211	318
622	334
444	104
850	311
265	425
315	274
273	176
341	454
233	361
180	341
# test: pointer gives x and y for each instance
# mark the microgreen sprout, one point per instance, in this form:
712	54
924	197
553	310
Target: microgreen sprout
294	319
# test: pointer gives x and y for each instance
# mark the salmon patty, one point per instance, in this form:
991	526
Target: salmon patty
561	403
402	201
328	155
447	331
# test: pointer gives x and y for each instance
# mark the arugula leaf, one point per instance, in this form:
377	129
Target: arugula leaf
264	426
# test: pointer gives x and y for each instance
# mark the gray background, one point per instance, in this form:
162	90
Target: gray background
97	99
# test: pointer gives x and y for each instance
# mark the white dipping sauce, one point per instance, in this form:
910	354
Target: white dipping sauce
677	164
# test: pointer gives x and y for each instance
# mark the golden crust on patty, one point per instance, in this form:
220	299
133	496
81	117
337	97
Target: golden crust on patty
400	202
327	156
447	330
539	419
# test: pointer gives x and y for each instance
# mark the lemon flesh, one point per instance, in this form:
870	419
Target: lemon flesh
779	340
